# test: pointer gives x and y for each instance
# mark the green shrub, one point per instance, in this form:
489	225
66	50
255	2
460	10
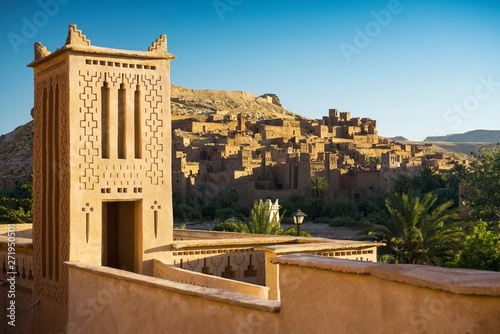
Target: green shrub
343	207
224	213
293	232
185	212
481	249
228	226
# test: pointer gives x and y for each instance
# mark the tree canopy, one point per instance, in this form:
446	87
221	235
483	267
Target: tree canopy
481	185
481	249
416	229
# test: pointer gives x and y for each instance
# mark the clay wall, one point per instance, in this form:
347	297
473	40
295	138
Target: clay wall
362	297
379	298
164	270
206	127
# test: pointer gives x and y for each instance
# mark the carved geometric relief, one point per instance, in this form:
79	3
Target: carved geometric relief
37	185
87	209
155	207
154	173
154	148
88	124
113	78
55	288
88	97
154	98
65	185
121	176
89	152
89	80
89	178
154	125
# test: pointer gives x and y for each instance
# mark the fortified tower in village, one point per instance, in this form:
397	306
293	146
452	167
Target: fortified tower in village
101	164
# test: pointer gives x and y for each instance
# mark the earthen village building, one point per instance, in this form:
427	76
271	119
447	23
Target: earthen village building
275	158
104	257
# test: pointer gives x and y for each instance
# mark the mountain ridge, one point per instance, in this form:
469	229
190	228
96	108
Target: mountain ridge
474	136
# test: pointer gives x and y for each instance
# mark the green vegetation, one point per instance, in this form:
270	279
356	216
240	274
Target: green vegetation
481	249
482	186
16	206
294	202
317	190
223	214
262	222
416	229
259	222
204	202
230	225
374	161
419	224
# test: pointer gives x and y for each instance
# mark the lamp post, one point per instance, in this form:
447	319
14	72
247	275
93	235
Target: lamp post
298	219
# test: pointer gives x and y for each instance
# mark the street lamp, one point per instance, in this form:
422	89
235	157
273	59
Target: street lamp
298	219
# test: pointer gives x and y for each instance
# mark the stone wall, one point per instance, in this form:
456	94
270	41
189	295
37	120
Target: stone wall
366	297
318	295
105	300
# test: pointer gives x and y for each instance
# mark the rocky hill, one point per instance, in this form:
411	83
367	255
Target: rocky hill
475	136
16	158
192	102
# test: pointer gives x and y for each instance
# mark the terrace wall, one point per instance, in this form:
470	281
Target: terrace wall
319	295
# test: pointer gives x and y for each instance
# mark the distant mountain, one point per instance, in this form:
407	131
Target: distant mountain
475	136
398	138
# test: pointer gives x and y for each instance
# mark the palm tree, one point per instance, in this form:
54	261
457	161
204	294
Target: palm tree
229	197
318	189
428	179
374	161
261	221
416	230
204	192
459	170
402	184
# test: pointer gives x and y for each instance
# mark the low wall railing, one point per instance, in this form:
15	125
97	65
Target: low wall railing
170	272
16	259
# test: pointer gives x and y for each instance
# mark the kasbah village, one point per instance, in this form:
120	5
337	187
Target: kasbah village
114	143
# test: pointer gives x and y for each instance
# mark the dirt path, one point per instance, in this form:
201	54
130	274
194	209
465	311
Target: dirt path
326	231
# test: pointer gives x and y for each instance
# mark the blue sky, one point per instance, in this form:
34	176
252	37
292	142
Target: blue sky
419	68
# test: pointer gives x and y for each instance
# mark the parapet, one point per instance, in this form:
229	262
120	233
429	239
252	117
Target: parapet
77	41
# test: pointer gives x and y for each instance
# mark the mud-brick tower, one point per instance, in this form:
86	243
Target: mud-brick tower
101	164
